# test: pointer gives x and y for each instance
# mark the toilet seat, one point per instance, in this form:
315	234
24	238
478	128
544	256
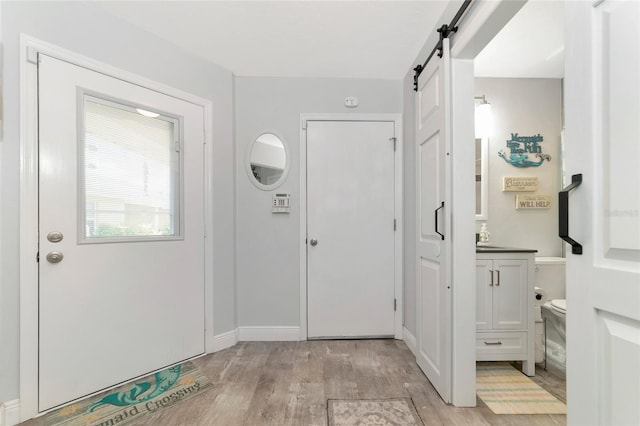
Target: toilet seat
559	306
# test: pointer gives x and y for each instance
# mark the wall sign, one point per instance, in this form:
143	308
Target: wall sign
526	201
519	183
520	147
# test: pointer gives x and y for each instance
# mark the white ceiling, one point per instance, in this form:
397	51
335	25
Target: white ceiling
348	39
531	45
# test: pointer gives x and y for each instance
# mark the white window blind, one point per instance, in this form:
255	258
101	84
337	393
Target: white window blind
130	172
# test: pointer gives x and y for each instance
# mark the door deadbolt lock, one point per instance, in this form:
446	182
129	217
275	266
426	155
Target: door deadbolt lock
313	242
55	257
55	236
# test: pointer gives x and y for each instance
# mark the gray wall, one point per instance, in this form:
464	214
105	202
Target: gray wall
526	107
268	245
84	29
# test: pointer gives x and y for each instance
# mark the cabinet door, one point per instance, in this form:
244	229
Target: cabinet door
484	286
510	295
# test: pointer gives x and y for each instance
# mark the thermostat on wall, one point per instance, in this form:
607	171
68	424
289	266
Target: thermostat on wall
280	203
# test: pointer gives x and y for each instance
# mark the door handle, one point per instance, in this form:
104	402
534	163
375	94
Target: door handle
491	283
563	209
436	216
55	257
55	236
498	282
313	242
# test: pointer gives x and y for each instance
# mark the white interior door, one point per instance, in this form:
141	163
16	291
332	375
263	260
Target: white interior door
602	95
350	228
434	295
121	290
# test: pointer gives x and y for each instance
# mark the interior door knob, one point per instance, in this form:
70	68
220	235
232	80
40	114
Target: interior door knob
313	242
55	257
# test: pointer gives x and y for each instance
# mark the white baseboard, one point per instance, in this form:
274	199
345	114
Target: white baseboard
410	340
10	413
225	340
269	334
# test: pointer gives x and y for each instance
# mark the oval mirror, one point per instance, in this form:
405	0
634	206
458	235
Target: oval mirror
268	161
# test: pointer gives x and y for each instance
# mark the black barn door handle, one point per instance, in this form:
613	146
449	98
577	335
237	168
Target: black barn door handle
436	215
563	209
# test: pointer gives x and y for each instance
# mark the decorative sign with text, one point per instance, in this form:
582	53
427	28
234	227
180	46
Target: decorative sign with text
519	183
526	201
522	149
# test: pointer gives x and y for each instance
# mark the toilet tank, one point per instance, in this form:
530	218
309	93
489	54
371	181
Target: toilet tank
550	276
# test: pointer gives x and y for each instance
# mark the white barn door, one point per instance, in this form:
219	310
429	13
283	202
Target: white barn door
603	145
433	291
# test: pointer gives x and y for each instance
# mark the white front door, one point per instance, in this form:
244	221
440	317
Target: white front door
602	98
433	292
350	228
121	254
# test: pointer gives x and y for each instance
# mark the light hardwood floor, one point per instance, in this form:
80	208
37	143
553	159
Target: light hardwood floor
288	383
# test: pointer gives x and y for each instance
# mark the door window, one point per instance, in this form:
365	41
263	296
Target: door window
129	172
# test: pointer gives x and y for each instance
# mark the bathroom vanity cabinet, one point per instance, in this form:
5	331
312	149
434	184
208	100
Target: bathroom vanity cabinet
504	306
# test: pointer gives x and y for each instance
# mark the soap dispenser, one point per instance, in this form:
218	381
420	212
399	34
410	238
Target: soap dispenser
484	235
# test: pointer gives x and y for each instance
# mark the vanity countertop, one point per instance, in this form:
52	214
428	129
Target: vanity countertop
496	249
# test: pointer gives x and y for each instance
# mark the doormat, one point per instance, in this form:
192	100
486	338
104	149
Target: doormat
505	390
378	412
127	403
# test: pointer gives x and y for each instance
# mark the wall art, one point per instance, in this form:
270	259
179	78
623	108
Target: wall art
519	183
523	151
526	201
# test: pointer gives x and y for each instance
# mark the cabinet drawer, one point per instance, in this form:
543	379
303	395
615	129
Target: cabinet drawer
501	343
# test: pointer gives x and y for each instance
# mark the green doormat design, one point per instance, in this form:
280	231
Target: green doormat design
127	403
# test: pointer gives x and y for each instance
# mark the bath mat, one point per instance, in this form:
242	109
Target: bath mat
505	390
378	412
127	403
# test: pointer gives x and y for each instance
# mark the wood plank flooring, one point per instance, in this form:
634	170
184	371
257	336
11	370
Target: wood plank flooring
288	383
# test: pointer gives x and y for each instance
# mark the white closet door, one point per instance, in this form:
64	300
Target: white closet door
350	209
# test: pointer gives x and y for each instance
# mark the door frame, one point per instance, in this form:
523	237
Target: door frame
481	22
29	202
398	200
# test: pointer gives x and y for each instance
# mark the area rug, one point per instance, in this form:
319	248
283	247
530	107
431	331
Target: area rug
505	390
378	412
127	403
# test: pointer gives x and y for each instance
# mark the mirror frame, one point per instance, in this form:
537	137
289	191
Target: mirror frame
287	162
484	176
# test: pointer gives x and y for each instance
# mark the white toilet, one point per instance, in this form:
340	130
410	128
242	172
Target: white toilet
550	277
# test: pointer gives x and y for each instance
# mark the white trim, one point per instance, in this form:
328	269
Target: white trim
29	202
410	340
225	340
399	216
462	218
480	24
269	334
10	413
